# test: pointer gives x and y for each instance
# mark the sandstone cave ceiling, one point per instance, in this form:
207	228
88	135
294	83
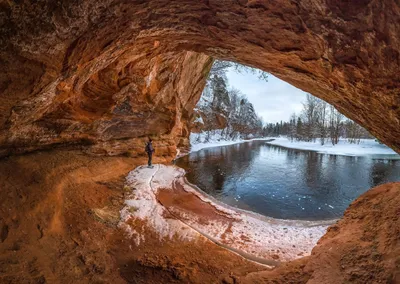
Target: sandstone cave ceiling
102	75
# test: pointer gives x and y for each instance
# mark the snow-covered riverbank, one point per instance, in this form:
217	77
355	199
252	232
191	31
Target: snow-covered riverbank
215	140
160	199
366	147
344	148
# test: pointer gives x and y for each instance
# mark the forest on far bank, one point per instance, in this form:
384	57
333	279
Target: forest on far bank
229	112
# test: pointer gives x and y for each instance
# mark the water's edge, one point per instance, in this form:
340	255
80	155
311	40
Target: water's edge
265	238
264	218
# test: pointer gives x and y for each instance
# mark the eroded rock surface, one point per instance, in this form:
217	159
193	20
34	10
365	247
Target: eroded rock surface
59	212
362	247
114	109
104	73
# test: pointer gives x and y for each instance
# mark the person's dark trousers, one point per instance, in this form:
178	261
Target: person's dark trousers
150	154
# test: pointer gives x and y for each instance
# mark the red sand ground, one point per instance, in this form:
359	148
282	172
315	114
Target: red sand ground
58	216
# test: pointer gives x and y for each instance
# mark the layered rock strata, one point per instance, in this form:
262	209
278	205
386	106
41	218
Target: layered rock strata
107	73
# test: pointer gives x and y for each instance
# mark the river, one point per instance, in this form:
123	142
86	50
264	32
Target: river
286	183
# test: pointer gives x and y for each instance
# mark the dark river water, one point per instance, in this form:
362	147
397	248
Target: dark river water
286	183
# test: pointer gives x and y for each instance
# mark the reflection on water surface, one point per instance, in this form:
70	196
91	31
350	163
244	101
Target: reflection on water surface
286	183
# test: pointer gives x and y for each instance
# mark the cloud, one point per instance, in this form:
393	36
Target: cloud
274	100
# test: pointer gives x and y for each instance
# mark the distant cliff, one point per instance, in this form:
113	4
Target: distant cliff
220	108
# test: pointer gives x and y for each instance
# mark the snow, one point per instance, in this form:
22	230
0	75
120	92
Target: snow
143	205
246	232
199	119
215	140
344	148
366	147
265	236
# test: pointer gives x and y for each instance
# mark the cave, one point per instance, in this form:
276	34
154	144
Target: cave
84	83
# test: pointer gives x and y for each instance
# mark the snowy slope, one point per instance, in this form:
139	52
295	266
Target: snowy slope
366	147
197	141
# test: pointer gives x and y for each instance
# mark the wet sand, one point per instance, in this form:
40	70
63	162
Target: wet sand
172	207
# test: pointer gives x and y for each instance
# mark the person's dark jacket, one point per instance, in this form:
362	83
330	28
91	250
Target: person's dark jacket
149	148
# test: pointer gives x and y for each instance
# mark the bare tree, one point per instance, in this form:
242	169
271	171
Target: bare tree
335	124
354	132
292	127
322	120
220	67
310	116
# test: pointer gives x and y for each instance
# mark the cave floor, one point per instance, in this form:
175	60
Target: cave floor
60	223
168	205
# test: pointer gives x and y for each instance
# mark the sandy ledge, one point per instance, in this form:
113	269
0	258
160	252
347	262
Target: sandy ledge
163	201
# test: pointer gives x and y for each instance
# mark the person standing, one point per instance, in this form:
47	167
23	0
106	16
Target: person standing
149	150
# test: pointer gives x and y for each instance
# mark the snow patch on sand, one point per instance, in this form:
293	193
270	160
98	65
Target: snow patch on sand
259	235
199	119
245	231
143	205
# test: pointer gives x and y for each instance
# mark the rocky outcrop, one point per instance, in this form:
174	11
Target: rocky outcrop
106	73
103	75
365	241
213	108
362	247
114	109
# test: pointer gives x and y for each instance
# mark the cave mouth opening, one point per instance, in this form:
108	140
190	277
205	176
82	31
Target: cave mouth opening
243	102
102	76
318	162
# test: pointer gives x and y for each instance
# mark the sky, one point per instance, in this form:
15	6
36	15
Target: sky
274	100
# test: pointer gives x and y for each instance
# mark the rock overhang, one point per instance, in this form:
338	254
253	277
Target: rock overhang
104	75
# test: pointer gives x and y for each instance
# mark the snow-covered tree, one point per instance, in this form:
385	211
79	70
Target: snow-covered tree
227	110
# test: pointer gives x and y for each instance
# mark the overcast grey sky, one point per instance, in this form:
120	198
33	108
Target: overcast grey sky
274	100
